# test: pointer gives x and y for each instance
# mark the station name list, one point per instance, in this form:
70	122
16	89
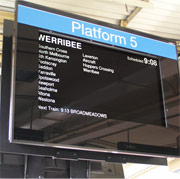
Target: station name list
55	53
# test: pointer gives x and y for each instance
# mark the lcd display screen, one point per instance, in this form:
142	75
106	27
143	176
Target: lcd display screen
74	92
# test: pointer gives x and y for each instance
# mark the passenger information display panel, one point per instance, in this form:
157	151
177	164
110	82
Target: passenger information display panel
75	77
81	85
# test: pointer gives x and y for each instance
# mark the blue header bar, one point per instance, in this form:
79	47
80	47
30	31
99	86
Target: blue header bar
70	26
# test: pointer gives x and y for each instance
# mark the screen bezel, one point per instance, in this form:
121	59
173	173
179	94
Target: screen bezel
12	99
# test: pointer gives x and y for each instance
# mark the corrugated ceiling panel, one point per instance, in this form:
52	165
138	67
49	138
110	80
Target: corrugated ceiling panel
105	11
108	20
7	3
168	6
157	27
142	20
163	19
94	4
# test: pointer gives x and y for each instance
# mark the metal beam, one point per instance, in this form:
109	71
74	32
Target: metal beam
125	22
76	9
79	169
178	46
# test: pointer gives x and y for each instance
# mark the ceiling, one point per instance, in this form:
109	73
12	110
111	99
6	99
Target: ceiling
159	17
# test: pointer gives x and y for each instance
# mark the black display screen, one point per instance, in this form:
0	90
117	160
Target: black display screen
80	93
91	81
88	80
